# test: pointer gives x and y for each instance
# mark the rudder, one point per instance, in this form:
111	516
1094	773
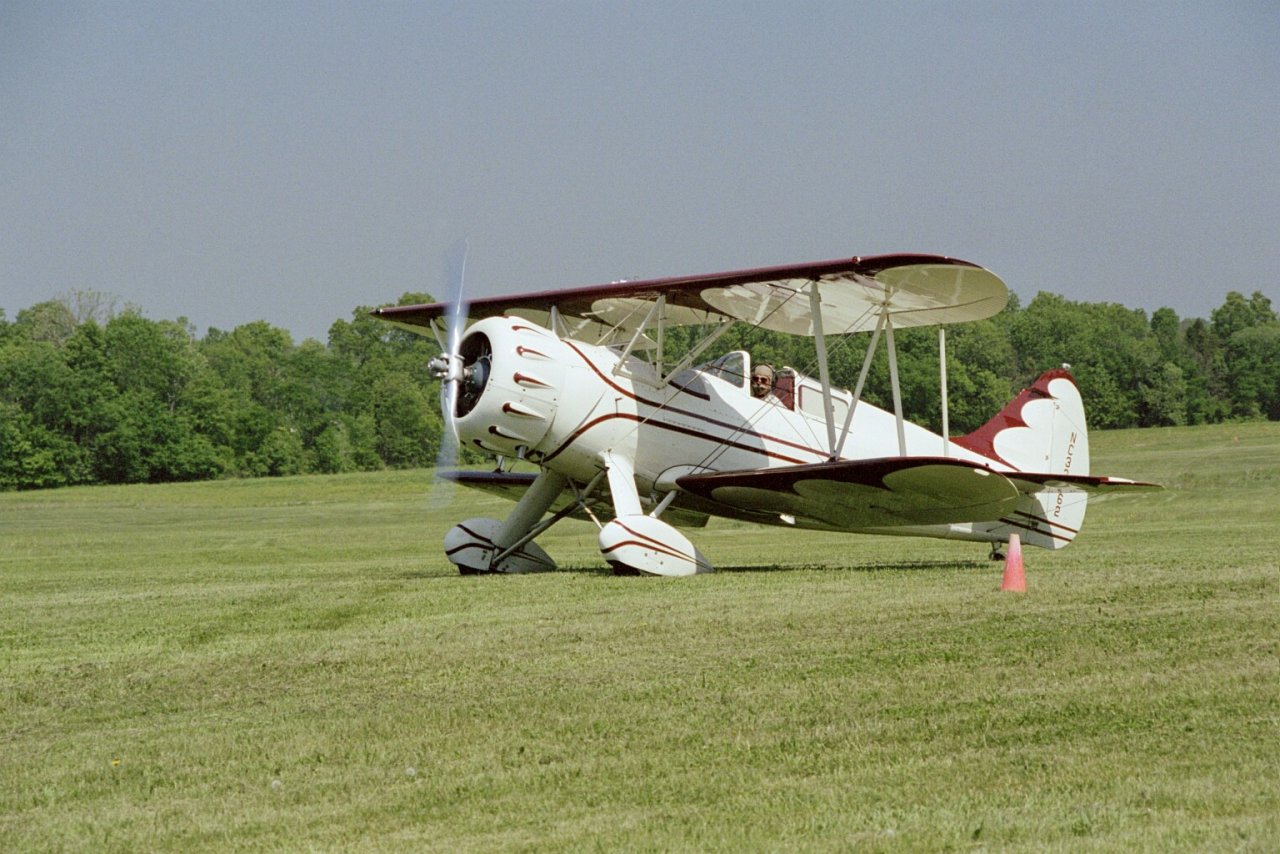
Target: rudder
1042	430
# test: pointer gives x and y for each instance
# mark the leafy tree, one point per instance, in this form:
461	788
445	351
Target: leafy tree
34	457
363	431
408	433
91	395
282	453
50	321
1166	329
1164	397
980	364
1109	347
1207	384
1245	357
333	451
1253	370
1238	313
154	368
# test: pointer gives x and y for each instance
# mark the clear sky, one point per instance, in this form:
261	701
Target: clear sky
240	161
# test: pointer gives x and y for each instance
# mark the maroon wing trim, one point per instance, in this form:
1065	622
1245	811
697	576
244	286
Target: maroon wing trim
685	291
783	479
860	494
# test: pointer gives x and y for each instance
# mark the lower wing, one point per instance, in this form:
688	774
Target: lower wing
847	495
884	493
512	485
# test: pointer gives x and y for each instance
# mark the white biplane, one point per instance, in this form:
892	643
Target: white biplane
578	382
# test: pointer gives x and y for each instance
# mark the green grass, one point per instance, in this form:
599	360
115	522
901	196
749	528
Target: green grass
291	663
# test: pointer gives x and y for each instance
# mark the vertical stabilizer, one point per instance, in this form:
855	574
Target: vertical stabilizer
1042	430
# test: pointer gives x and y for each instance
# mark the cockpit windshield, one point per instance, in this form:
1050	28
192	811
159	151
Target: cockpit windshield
731	367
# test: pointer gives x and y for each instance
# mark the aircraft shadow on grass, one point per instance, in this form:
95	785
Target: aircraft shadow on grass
896	566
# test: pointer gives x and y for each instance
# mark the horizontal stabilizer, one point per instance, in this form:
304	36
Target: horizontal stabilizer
1096	486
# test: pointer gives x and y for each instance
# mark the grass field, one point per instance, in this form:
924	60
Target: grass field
292	663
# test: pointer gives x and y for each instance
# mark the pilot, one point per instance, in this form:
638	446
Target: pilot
762	384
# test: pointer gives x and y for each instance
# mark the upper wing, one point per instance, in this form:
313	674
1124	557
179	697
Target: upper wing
917	290
888	492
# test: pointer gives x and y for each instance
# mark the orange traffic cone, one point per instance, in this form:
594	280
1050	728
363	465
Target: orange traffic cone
1015	579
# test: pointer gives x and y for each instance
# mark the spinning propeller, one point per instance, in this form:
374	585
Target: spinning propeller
463	368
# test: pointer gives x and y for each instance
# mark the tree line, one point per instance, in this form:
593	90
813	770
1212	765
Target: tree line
93	395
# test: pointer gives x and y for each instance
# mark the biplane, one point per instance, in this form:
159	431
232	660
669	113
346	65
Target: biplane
647	444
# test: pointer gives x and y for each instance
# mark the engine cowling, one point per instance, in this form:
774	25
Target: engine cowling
513	376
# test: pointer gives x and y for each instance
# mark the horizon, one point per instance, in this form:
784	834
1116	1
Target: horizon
111	305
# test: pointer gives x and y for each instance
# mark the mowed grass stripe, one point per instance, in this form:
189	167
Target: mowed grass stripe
293	664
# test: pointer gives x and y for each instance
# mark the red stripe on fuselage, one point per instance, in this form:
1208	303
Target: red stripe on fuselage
1014	523
1049	522
665	407
675	428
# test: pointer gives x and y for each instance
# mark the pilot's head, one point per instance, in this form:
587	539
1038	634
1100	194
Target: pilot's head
761	380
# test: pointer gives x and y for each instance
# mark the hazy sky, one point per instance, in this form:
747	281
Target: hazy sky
231	162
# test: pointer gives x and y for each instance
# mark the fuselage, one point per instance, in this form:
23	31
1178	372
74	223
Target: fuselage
561	403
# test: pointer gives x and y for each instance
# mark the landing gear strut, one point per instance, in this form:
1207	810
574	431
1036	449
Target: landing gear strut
637	543
489	545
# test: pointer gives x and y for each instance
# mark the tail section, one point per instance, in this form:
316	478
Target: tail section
1049	519
1041	431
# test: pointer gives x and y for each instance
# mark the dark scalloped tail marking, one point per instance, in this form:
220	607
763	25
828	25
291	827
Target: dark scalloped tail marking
982	440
